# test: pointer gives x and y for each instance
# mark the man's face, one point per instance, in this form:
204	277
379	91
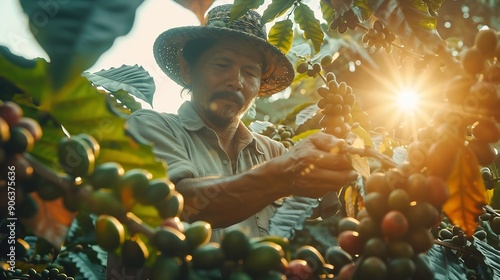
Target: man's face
225	80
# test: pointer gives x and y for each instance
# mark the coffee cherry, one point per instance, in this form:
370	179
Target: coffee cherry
351	242
373	268
32	126
298	269
484	152
394	225
486	41
11	113
336	256
110	233
326	60
473	61
485	130
134	252
302	68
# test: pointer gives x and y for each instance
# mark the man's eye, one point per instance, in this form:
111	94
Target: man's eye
251	74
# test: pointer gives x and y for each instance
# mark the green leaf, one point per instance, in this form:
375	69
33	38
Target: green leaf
279	109
445	265
433	6
304	16
304	134
240	7
292	215
260	126
122	102
101	255
76	33
250	114
30	76
491	257
89	270
132	79
328	11
411	21
340	6
82	108
45	149
276	9
321	232
362	9
305	114
302	117
281	35
363	134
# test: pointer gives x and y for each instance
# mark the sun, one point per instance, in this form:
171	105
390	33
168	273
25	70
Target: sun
407	100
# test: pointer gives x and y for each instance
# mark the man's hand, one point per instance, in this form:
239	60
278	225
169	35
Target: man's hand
315	166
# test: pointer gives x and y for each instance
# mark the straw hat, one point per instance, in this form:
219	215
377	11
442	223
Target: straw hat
278	72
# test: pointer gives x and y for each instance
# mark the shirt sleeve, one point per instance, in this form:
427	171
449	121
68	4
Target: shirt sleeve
167	142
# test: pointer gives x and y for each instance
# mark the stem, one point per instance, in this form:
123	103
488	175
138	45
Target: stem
370	152
323	78
63	183
136	225
458	248
131	221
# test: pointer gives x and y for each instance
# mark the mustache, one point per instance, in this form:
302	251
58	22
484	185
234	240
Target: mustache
236	97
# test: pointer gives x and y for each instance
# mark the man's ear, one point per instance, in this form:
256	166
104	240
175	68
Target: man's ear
185	69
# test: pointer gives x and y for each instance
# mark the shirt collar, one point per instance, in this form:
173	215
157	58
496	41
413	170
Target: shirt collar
190	120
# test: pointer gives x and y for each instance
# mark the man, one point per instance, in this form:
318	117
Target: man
229	176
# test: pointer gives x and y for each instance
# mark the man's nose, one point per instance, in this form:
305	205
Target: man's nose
235	79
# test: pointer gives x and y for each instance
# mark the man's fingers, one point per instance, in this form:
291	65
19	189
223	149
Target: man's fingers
332	161
325	180
327	142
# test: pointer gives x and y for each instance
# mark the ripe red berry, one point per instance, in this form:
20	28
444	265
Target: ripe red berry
394	225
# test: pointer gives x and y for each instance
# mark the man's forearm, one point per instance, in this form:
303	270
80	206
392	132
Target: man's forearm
223	201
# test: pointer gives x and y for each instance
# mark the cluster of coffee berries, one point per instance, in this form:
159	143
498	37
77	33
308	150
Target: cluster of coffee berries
336	105
483	56
111	191
490	220
18	135
347	20
435	146
187	253
379	37
312	69
32	274
280	133
391	234
470	117
476	94
285	134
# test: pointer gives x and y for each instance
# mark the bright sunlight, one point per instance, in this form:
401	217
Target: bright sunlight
407	99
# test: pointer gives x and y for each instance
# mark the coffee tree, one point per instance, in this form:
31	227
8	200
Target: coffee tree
76	186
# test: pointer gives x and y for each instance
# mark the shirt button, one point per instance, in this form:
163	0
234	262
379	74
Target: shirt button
224	162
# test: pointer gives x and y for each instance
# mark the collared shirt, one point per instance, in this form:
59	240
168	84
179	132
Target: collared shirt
192	150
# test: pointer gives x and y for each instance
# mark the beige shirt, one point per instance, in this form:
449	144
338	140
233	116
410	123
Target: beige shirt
192	150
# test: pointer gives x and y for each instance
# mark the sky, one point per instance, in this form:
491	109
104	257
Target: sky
152	18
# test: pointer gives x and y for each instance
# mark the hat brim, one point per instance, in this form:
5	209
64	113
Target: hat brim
278	73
